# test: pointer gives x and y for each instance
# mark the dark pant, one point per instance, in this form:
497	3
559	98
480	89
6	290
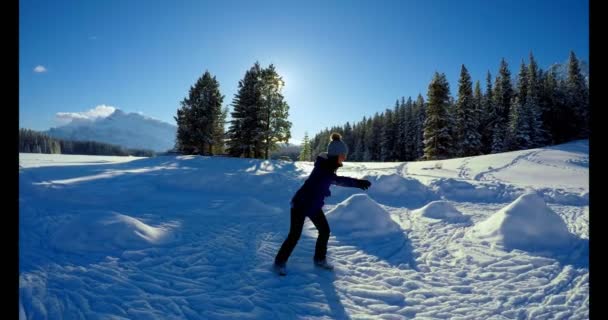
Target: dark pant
295	230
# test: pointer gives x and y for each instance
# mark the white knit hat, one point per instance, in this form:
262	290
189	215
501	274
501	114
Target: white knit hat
336	146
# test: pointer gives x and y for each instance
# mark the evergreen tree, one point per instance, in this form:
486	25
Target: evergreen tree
219	134
488	116
577	98
244	123
537	135
368	141
502	99
348	137
375	137
306	153
548	106
198	118
410	135
387	143
468	140
519	126
274	126
437	139
359	150
478	100
419	120
519	116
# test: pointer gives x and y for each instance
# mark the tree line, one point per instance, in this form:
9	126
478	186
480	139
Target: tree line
31	141
540	108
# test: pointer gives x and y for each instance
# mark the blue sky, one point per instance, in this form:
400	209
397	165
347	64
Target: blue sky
341	60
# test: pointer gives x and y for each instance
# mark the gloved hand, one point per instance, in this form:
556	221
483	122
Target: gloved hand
363	184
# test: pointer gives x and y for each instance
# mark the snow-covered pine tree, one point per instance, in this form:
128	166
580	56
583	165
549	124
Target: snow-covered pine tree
502	96
368	140
437	138
410	135
519	122
477	113
468	140
578	97
487	118
419	120
537	135
387	142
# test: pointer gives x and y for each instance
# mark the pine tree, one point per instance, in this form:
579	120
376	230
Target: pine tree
419	120
359	150
348	137
376	137
306	152
219	135
502	99
519	126
368	141
451	119
519	116
538	137
577	98
387	143
198	118
274	126
244	123
522	83
477	114
436	132
548	106
488	117
468	140
411	134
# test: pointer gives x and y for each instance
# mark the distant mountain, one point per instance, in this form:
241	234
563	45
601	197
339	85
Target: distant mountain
130	130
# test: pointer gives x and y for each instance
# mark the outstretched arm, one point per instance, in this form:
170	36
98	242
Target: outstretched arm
350	182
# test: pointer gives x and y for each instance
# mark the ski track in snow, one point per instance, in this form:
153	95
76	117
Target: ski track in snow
220	265
487	175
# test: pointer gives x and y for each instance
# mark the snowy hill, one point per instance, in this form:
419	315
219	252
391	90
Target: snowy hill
501	236
130	130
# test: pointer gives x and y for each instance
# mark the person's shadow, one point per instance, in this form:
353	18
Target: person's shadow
326	281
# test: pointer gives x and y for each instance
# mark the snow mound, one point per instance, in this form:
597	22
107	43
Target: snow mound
393	190
360	216
110	232
526	224
459	190
442	210
361	222
560	196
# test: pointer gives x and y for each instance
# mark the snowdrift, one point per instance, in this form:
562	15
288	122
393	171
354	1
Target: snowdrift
526	224
110	232
441	210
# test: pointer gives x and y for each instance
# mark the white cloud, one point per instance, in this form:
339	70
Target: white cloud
100	111
40	69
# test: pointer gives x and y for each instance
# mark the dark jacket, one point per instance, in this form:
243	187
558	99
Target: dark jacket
310	197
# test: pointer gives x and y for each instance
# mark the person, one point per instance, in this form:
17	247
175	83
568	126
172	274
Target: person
308	202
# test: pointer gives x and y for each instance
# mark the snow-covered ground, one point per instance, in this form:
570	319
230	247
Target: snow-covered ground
500	236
